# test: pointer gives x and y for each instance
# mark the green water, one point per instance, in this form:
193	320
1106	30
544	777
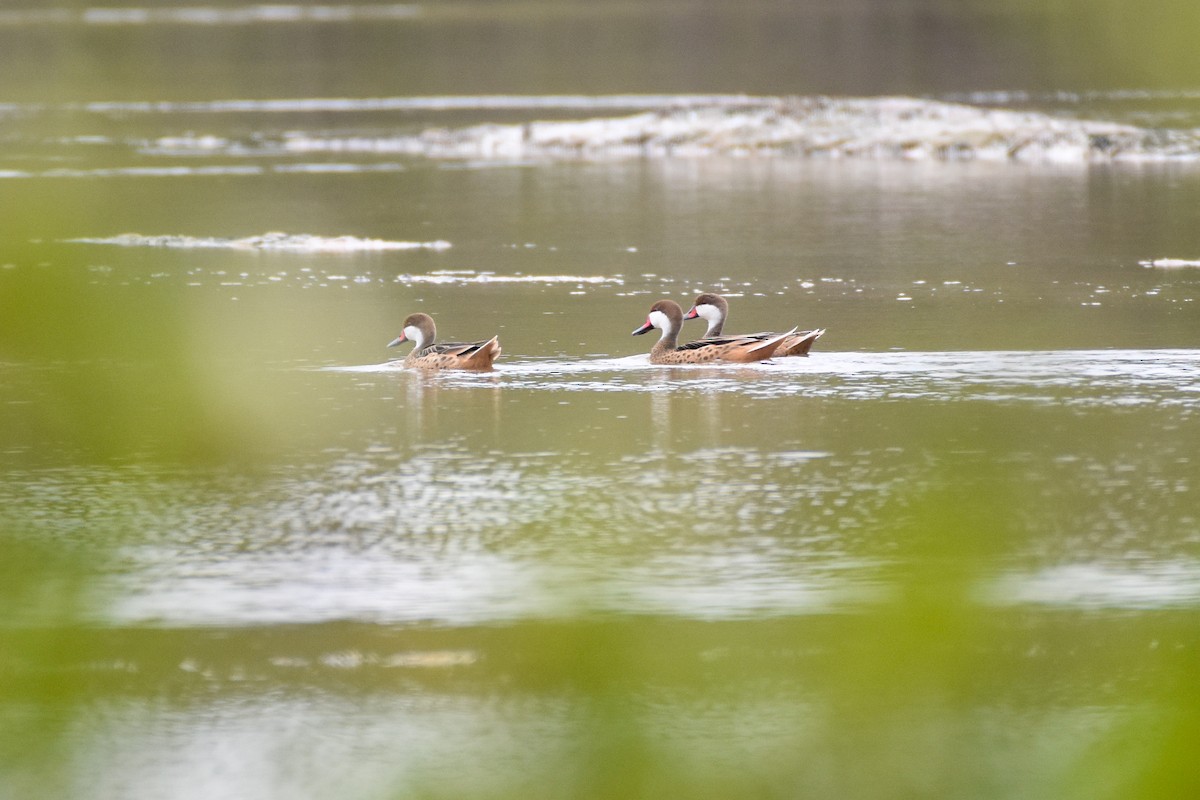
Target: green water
953	553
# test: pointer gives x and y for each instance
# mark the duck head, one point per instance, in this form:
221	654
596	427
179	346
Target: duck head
418	329
666	315
712	308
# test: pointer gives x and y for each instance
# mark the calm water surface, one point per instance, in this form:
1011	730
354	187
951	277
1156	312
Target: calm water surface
962	538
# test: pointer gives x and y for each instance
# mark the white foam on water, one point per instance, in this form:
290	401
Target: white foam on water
1158	584
463	276
326	105
209	15
340	168
1020	96
179	171
333	584
877	128
1170	263
297	243
340	583
1086	378
883	128
173	171
201	143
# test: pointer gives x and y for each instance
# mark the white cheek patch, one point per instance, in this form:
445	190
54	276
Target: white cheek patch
710	314
661	321
413	333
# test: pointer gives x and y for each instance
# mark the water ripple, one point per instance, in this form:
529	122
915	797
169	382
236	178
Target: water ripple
1074	377
209	15
275	241
455	536
877	128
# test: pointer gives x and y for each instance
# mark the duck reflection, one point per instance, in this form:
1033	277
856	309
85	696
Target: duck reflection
427	395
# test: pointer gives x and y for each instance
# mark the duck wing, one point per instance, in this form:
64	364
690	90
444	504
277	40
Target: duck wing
715	341
796	343
453	348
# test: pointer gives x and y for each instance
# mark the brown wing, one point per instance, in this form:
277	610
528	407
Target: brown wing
464	349
800	343
797	344
715	341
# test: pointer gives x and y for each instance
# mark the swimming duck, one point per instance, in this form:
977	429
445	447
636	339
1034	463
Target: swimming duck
667	316
714	309
420	330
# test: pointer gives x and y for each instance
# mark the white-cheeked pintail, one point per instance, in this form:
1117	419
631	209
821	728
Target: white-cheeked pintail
428	354
714	309
667	316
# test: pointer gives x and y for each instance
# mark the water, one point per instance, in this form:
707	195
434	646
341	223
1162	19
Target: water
244	554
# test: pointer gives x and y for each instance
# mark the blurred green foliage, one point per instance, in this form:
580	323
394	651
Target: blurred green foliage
116	372
928	691
899	697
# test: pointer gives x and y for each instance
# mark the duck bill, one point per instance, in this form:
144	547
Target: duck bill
643	329
692	314
398	340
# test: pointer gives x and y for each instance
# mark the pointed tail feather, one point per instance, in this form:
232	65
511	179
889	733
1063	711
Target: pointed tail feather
800	344
770	345
486	354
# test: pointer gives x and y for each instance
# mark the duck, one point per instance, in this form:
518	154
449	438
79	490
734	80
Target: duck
420	330
714	309
667	316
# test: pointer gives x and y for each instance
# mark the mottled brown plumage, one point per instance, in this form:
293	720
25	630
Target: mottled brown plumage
715	309
426	354
667	316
